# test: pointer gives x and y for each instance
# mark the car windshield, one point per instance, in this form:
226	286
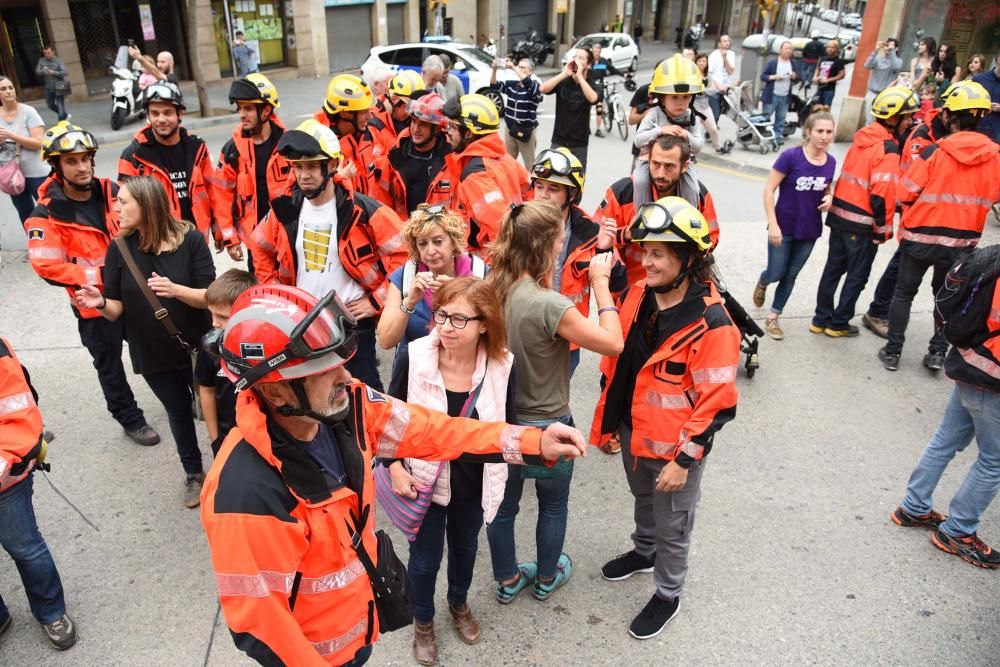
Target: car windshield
588	42
475	53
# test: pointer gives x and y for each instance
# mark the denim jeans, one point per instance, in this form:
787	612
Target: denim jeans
911	274
103	339
972	411
25	202
715	103
826	96
460	522
850	254
783	266
57	103
779	107
362	364
550	531
20	538
173	389
808	70
574	361
879	306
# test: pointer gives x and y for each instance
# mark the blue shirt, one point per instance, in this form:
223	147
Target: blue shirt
990	126
523	98
323	450
419	323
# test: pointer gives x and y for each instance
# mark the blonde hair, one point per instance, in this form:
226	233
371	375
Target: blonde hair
820	112
525	245
156	225
421	224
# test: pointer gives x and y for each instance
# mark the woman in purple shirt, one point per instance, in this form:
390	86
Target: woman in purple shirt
803	176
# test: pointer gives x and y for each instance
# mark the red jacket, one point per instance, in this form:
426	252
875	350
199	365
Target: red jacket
686	391
360	150
67	250
369	241
921	137
949	190
292	588
20	421
864	197
488	182
141	157
391	189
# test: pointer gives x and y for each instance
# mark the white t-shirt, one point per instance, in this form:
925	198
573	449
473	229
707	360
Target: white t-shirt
319	267
783	85
32	165
717	70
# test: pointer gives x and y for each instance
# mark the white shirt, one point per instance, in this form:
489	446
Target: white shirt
783	85
716	68
319	268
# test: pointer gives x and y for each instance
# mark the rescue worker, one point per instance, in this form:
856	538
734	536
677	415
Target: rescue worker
290	502
346	110
250	172
325	236
414	172
385	127
487	179
947	193
69	233
864	205
22	451
179	160
669	159
666	395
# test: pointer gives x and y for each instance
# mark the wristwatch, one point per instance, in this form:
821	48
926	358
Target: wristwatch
408	311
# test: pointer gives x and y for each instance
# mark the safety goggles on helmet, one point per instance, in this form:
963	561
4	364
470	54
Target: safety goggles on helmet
551	162
74	141
162	91
654	219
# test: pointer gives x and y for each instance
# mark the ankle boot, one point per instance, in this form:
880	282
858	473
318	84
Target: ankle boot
465	623
425	648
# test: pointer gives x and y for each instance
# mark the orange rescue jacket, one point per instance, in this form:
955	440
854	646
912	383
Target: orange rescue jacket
369	241
921	137
864	197
292	588
20	421
390	188
359	150
686	391
65	249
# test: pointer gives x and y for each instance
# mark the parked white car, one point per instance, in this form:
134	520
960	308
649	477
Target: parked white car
829	15
615	46
852	20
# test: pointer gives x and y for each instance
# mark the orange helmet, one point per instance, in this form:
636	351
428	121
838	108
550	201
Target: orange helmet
428	109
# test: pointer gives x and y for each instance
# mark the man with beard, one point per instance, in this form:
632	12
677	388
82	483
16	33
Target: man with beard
68	235
669	157
179	160
346	110
413	172
289	506
324	236
385	127
250	172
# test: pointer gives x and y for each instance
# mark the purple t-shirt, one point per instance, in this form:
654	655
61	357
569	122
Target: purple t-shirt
801	193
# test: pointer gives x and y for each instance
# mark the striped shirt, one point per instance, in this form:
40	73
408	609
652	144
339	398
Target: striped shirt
523	98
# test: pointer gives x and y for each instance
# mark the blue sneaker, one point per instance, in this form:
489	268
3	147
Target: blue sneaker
528	572
564	570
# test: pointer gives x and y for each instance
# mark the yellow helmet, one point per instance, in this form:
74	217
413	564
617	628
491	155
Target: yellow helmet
672	220
406	83
347	92
309	142
255	88
64	137
475	112
560	166
967	96
678	76
895	101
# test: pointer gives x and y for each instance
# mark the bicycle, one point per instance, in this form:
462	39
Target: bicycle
614	109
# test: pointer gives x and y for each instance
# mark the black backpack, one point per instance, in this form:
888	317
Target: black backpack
966	298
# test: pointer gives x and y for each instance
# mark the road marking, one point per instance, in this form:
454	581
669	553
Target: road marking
732	172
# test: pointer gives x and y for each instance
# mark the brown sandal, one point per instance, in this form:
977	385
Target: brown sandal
612	446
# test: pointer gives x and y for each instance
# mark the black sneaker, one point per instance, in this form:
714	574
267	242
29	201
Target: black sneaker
144	435
599	133
62	633
889	361
654	617
969	548
625	565
934	361
930	521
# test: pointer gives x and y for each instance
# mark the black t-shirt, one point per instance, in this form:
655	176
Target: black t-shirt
150	347
174	160
640	102
813	50
208	373
419	169
261	154
599	70
92	211
829	68
572	126
400	125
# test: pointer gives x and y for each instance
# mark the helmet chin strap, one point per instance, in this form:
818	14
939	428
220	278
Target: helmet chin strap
304	408
76	186
681	277
248	134
312	193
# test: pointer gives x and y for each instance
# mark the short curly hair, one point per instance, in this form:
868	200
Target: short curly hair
421	222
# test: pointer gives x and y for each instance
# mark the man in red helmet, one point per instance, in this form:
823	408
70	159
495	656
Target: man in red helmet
288	505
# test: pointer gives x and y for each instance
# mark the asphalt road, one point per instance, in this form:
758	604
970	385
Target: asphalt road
794	560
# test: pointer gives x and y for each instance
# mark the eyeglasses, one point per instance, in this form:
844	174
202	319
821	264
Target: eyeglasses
654	218
457	321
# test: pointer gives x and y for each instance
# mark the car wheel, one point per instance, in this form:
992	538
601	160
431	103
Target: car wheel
495	97
635	64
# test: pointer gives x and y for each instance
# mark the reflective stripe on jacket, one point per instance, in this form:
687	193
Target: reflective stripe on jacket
390	188
20	421
979	365
864	197
291	586
65	250
685	391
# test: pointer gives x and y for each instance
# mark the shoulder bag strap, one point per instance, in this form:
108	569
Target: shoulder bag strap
159	312
20	115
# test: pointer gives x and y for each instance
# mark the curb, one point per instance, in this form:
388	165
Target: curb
111	137
732	162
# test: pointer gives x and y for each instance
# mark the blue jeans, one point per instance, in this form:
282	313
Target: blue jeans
826	96
879	306
550	531
20	538
779	107
715	104
574	361
808	70
56	103
25	202
972	411
850	254
362	364
461	522
783	266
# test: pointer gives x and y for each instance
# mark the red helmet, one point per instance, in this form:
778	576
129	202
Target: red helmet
428	109
279	332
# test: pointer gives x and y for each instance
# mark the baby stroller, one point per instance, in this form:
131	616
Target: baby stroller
750	331
752	129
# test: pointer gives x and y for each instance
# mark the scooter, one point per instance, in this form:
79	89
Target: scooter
126	96
533	47
692	38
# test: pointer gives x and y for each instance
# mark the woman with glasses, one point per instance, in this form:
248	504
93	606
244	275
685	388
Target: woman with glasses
435	238
462	367
666	396
542	324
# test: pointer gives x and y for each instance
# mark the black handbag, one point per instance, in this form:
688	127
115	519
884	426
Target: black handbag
389	579
521	131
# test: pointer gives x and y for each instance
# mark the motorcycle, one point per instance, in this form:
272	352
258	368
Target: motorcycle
126	96
534	48
694	34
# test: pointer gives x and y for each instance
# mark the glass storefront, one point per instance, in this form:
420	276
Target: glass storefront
971	26
262	23
22	34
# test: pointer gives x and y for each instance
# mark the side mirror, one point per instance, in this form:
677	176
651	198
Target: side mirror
459	66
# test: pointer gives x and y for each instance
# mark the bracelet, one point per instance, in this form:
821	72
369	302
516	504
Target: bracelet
408	311
104	303
606	309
